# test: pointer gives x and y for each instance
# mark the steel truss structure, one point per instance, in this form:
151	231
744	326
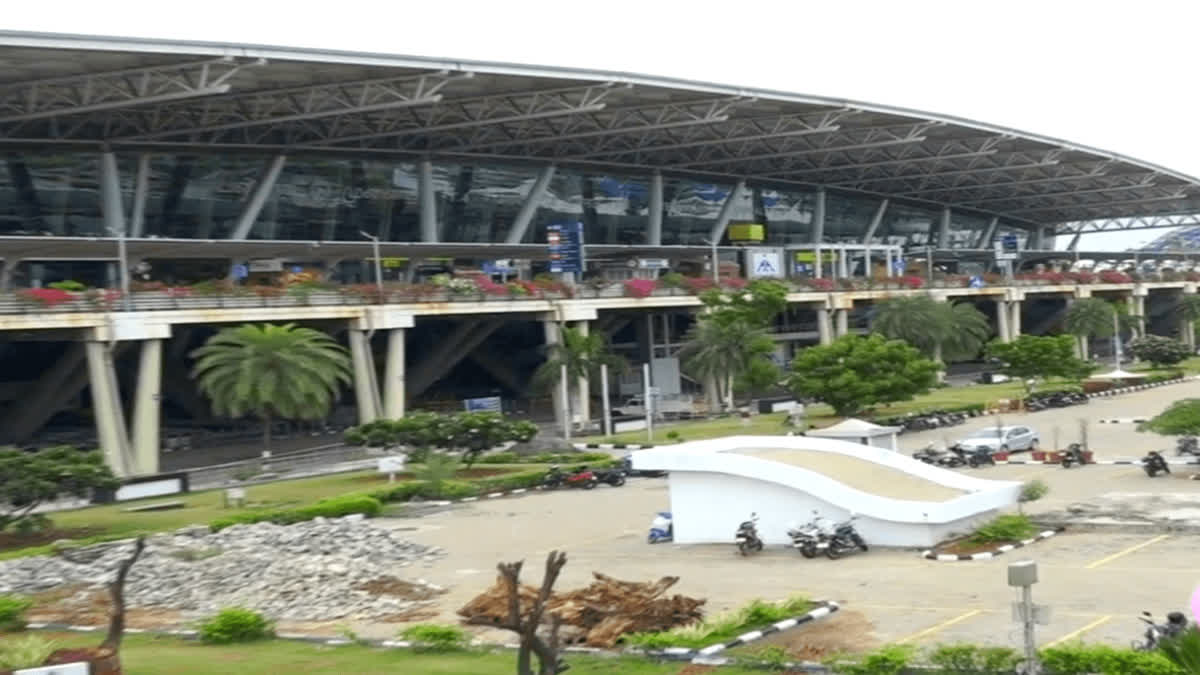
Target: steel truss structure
144	96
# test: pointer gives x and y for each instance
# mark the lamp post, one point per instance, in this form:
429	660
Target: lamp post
715	263
123	261
378	263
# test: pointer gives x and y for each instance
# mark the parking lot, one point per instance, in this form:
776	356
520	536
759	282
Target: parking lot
1096	583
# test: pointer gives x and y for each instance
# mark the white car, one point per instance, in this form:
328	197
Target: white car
1002	439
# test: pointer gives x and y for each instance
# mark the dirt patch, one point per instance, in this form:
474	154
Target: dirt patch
82	606
15	540
399	588
845	631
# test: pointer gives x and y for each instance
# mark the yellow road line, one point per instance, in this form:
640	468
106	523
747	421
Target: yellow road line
1122	554
945	624
1074	634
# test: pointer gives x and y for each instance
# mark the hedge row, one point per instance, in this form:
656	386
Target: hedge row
1076	659
330	507
457	489
594	458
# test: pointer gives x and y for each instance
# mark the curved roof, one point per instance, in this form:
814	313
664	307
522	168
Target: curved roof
135	93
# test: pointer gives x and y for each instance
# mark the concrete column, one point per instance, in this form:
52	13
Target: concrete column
1139	304
365	392
7	268
843	322
1189	335
530	206
1014	324
426	200
552	338
147	409
943	240
824	329
585	398
819	219
106	408
141	190
1002	314
887	260
258	198
654	220
393	379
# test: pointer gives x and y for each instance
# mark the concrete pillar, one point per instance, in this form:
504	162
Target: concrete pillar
147	409
1189	335
819	221
106	408
393	379
1002	314
585	391
552	338
1014	324
1139	307
7	268
427	202
824	329
654	219
365	392
843	321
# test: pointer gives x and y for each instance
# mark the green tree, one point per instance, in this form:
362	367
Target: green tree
1188	311
271	372
720	352
1182	418
1089	318
1032	358
761	375
854	373
582	354
1158	350
473	433
30	479
944	331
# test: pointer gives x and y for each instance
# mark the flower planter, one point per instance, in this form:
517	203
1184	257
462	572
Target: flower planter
1000	456
1039	455
1053	457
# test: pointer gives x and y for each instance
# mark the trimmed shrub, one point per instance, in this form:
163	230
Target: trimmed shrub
12	612
1011	527
888	660
432	637
967	658
28	651
332	507
500	458
514	481
723	626
1082	659
235	624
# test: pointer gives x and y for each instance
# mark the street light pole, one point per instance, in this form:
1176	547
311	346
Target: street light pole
715	266
378	263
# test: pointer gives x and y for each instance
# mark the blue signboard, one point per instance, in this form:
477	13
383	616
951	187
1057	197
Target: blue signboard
241	271
898	266
1009	242
486	404
566	247
975	282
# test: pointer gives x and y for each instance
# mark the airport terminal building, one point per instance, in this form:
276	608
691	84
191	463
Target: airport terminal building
183	163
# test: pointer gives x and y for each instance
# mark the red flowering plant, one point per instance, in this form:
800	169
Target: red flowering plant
178	292
102	298
734	283
489	287
640	288
1082	277
698	285
1191	276
365	293
819	284
46	297
1114	277
910	281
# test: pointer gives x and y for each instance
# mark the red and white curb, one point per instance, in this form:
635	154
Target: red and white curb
1124	420
706	655
988	555
1102	462
1141	387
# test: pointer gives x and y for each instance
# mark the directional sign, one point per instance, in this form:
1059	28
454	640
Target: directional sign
566	247
898	266
975	282
485	404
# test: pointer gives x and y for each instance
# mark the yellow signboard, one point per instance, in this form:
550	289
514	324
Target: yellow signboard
747	232
811	256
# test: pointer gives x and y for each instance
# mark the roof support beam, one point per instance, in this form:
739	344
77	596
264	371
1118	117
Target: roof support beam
723	216
985	237
427	201
1068	193
1165	198
119	89
807	151
818	233
258	198
654	220
956	172
1074	245
876	220
1129	223
529	207
141	191
944	229
826	129
110	196
872	165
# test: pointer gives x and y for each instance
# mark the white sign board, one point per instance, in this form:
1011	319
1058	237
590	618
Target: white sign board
80	668
266	265
158	488
653	263
764	263
391	464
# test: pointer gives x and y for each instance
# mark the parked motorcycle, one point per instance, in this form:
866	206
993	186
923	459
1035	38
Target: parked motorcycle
1176	624
747	536
813	537
1073	455
614	477
1188	445
1154	463
556	478
661	528
943	458
973	457
845	539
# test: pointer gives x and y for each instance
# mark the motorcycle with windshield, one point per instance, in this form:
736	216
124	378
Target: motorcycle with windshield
845	539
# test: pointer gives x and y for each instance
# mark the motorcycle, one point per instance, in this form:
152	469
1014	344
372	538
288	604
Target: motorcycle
1188	445
614	477
813	537
931	455
1154	463
747	536
661	528
1176	624
973	457
844	539
556	478
1073	455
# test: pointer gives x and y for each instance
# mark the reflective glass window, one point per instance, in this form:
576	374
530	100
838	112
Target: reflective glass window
789	216
847	217
692	207
905	225
478	203
50	194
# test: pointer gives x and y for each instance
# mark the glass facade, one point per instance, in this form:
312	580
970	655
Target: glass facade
334	198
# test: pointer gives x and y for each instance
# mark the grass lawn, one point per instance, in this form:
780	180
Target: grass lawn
1188	366
113	522
821	415
146	655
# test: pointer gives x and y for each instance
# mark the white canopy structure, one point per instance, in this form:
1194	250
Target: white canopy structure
861	432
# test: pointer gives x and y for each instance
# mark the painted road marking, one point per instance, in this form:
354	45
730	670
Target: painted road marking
943	625
906	608
1122	554
1074	634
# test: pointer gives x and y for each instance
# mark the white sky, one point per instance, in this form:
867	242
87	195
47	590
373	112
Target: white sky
1112	74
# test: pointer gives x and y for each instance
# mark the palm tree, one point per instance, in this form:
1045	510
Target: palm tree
721	351
272	372
1189	313
943	331
1089	318
582	354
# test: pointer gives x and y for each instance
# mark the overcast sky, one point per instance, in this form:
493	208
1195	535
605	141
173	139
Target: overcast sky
1116	75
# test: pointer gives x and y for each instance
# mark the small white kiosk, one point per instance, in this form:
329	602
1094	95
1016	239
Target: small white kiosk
861	432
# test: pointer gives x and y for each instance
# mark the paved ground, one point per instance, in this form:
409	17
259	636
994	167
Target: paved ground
1095	583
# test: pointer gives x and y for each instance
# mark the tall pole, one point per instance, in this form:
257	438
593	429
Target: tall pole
649	402
1031	662
378	263
566	397
604	398
1116	340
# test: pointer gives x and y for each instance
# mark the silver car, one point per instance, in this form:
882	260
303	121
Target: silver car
1003	439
